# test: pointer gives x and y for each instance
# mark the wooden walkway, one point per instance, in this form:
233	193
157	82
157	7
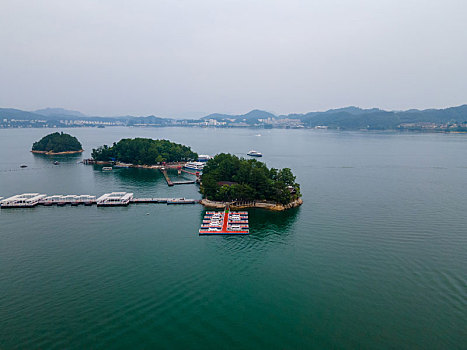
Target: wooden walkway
167	178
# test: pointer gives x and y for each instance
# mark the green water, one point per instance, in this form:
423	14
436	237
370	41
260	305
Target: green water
375	258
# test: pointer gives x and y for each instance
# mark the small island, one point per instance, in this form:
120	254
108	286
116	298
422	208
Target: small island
144	151
241	183
57	143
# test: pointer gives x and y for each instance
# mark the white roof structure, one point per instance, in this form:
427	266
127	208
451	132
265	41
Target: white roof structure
115	198
85	197
25	198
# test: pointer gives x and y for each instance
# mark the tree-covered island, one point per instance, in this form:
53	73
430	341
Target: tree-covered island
227	178
143	151
57	143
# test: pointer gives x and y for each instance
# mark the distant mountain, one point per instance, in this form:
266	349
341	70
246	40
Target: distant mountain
374	118
60	112
366	120
257	114
18	114
446	115
149	120
350	118
251	117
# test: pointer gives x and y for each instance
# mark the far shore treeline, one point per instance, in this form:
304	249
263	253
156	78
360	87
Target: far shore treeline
57	143
144	151
229	178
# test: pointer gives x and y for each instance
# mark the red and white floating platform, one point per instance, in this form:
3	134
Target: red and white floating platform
225	223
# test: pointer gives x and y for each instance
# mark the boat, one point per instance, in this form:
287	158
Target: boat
198	166
107	168
254	154
204	158
23	166
56	163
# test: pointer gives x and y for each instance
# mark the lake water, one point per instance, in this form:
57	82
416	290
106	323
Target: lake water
375	258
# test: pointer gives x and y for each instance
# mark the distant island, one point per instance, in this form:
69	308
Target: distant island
144	151
57	143
242	183
453	119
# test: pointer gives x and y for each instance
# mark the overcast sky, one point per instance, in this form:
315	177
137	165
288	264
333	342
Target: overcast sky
189	58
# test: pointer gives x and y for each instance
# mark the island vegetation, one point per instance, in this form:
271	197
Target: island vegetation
57	143
227	178
144	151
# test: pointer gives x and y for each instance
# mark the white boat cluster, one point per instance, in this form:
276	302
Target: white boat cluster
214	222
238	221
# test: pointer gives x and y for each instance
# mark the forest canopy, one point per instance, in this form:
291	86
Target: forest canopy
144	151
57	142
227	178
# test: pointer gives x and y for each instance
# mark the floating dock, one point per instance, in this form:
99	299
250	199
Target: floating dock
225	223
166	176
114	199
29	200
72	199
25	200
187	182
165	200
163	170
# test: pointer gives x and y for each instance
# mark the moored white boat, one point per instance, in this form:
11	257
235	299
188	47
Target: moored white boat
253	153
203	158
198	166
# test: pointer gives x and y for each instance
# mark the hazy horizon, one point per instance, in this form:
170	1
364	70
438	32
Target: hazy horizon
183	59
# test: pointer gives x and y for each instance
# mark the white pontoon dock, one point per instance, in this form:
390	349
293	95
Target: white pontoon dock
25	200
114	199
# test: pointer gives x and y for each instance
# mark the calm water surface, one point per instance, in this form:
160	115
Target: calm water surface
375	258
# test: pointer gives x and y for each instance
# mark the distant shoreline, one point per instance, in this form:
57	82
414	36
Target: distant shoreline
51	153
450	119
400	131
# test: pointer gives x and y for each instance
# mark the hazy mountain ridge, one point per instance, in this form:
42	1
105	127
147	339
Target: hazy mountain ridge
59	112
255	114
344	118
13	113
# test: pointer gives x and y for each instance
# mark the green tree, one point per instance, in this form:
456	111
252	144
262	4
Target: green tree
144	151
252	180
57	142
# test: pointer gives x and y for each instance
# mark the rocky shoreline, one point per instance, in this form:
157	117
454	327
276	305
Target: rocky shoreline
52	153
258	204
129	165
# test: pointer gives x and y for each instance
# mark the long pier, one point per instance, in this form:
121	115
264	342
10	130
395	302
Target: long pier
167	178
163	170
30	200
